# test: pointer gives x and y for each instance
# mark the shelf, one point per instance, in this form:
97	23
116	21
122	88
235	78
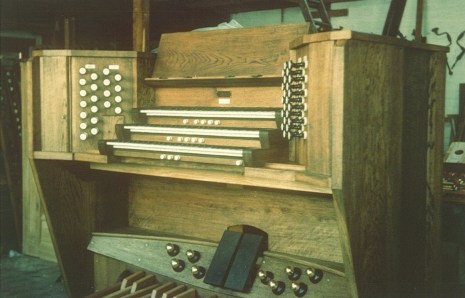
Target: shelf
273	177
236	81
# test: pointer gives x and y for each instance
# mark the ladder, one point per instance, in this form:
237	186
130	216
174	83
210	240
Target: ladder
309	6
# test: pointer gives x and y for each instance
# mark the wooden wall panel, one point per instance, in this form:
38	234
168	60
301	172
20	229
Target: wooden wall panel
414	167
320	76
434	169
268	97
36	236
54	104
297	223
372	162
76	203
140	25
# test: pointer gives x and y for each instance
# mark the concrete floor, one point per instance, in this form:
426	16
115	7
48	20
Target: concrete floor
29	277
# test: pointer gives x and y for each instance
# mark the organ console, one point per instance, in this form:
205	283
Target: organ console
254	162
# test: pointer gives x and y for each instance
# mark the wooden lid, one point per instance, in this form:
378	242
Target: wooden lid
352	35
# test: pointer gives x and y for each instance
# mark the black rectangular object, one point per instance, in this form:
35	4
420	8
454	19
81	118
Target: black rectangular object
243	266
223	258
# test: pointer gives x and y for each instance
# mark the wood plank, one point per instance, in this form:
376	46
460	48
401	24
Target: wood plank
143	68
337	174
54	105
31	208
372	149
317	236
237	5
52	155
93	53
422	169
461	126
36	236
360	36
419	22
227	52
277	174
265	96
91	157
204	175
27	111
320	73
140	25
345	237
237	81
434	170
31	213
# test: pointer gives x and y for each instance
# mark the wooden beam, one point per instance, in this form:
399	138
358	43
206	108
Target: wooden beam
394	17
70	33
419	22
140	25
461	125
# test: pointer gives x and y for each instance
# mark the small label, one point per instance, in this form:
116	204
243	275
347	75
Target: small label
90	66
224	101
113	66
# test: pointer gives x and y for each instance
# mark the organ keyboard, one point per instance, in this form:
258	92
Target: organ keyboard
191	153
317	140
245	137
208	140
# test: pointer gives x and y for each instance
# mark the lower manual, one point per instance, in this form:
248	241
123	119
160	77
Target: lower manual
190	153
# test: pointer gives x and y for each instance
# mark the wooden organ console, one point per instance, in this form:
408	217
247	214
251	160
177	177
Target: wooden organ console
253	162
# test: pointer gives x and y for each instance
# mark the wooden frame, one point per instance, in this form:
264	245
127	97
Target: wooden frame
370	167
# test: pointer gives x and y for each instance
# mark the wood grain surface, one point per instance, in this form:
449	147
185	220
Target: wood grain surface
246	51
300	224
